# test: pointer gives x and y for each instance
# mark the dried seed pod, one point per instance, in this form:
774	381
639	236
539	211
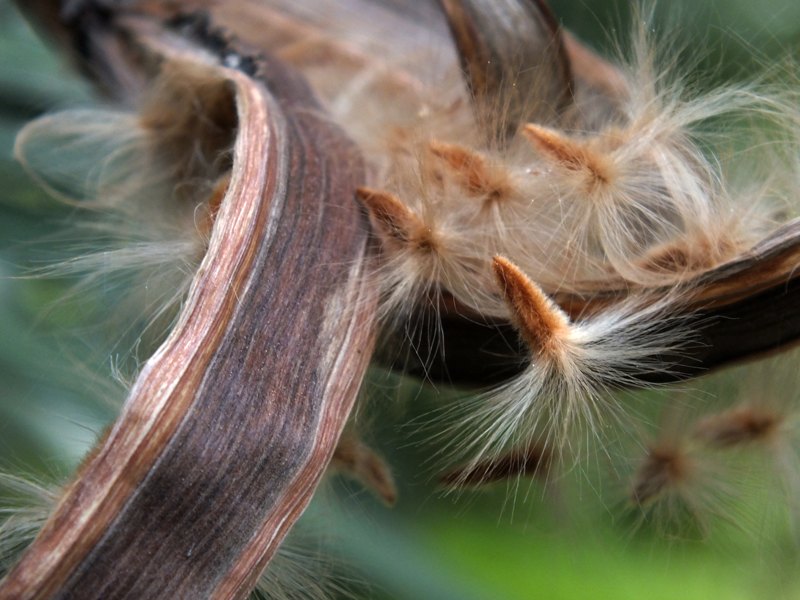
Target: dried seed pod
176	424
603	239
665	211
515	61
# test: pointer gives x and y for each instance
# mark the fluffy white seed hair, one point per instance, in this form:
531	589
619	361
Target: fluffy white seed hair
144	187
646	196
563	402
669	184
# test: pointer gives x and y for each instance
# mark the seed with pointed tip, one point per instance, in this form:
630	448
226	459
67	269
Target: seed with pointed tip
737	427
529	462
568	153
542	324
665	467
395	220
359	461
471	170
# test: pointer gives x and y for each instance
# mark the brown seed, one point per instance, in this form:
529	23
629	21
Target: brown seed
566	152
471	171
534	461
691	254
395	220
541	322
664	467
737	427
357	460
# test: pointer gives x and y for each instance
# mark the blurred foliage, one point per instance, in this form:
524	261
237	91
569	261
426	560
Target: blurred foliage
543	542
44	412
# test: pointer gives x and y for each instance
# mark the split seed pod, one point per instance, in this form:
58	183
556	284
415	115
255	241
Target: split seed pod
450	173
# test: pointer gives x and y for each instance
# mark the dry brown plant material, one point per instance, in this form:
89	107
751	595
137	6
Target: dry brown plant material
357	460
609	239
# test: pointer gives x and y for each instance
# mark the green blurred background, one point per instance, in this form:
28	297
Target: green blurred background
555	543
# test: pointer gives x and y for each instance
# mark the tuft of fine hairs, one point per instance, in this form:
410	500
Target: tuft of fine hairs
144	188
300	572
714	455
678	488
564	401
25	504
645	196
642	184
